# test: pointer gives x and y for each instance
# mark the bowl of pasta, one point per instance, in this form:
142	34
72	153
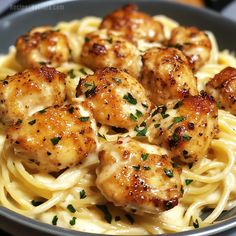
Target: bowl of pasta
117	118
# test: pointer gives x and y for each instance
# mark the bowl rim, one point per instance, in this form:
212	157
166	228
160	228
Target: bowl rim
56	230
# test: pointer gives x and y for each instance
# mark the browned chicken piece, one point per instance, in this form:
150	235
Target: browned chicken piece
42	47
53	139
105	49
223	88
166	75
115	98
134	24
194	43
185	128
30	91
138	176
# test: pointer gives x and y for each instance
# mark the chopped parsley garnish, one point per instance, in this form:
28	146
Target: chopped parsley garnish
144	105
133	117
82	194
138	113
32	122
143	124
117	80
190	165
86	85
175	137
90	92
147	168
140	132
71	73
186	137
196	224
72	221
129	218
36	202
71	208
136	167
84	118
157	125
71	109
107	214
82	71
178	104
188	181
109	40
144	156
86	39
54	220
42	63
102	136
162	110
129	98
55	140
42	111
218	104
177	120
169	173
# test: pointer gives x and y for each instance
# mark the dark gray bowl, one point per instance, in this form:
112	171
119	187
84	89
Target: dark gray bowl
54	11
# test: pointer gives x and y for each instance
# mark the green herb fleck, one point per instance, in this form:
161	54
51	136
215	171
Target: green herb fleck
42	63
102	136
143	124
188	181
129	218
117	80
90	92
109	40
177	120
164	115
71	73
144	156
157	125
196	224
218	104
71	109
140	132
82	194
72	221
86	85
147	168
107	214
32	122
145	105
42	111
36	202
139	113
71	208
133	117
82	71
186	137
86	39
129	98
136	167
168	172
178	104
55	140
84	118
54	220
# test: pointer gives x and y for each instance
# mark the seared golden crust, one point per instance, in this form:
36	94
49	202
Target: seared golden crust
185	129
115	98
131	177
166	75
29	91
42	47
105	49
194	43
134	24
223	88
53	139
